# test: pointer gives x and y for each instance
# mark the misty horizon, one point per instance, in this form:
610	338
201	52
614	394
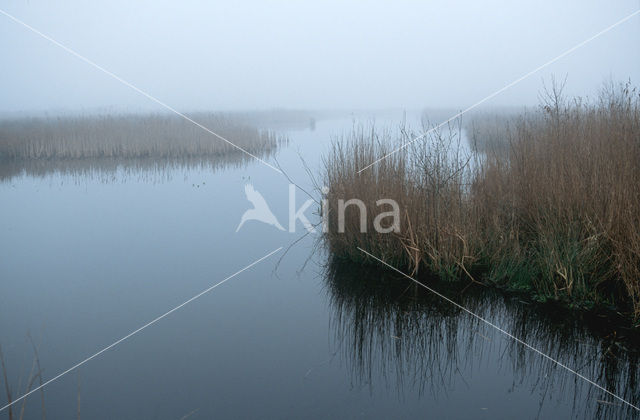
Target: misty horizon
255	56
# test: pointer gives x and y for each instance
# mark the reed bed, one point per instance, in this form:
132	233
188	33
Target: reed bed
427	181
554	211
129	136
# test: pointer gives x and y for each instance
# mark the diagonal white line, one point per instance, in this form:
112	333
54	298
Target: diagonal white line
128	84
499	329
138	330
499	91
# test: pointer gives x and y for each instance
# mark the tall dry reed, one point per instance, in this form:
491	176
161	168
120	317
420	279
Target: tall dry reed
559	211
428	180
553	210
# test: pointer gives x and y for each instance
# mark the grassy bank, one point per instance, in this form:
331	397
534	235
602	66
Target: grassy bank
551	206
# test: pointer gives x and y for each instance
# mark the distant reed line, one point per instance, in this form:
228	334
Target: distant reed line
128	136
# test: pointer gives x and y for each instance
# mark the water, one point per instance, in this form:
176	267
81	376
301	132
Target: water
89	256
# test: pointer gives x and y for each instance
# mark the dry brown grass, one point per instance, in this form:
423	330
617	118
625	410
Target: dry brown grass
428	180
556	211
562	206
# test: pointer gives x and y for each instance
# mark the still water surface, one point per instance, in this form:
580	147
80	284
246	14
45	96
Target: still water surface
88	256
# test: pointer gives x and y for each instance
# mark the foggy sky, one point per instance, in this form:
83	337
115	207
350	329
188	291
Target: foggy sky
262	54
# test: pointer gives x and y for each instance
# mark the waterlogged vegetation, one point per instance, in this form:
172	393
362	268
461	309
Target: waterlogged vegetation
543	204
548	204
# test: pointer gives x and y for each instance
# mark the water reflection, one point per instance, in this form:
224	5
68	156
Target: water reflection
396	334
111	169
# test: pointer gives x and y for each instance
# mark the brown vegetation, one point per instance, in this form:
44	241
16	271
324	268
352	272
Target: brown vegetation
128	136
555	210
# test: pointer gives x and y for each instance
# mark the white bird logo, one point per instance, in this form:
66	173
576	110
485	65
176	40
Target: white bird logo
260	211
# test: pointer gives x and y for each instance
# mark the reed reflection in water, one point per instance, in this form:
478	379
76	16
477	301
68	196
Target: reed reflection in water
397	335
99	145
112	169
